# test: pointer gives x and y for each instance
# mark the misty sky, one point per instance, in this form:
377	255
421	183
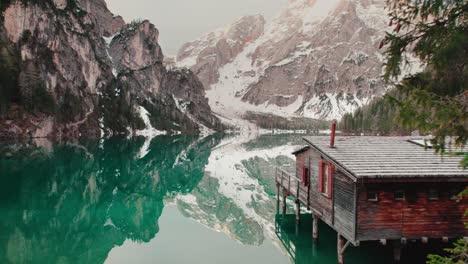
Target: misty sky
180	21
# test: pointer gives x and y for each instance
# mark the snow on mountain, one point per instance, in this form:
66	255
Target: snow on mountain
229	183
318	59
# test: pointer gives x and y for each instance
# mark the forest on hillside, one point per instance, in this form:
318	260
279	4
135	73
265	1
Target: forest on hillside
380	116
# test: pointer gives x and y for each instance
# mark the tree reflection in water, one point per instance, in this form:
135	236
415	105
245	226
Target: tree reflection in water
72	202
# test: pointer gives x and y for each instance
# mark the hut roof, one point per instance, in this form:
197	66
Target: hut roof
388	157
298	151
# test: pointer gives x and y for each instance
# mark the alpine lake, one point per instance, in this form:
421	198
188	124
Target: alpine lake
168	199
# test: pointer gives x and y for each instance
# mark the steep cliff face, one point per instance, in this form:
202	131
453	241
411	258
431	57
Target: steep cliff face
82	71
208	54
317	59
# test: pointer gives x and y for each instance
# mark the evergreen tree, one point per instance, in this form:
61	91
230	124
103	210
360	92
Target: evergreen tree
9	70
435	100
378	117
29	82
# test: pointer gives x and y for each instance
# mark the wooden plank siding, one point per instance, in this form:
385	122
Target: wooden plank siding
302	161
319	203
414	217
344	206
338	211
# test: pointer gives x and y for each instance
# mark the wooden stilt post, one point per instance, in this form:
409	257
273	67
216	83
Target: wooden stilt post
340	249
297	229
315	228
314	250
277	197
298	211
396	250
285	195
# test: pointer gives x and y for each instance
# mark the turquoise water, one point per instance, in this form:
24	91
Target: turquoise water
166	200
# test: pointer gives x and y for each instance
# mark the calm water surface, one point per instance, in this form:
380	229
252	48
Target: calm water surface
163	200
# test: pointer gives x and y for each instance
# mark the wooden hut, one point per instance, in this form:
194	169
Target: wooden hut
378	189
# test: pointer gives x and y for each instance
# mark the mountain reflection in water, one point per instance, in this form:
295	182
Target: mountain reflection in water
102	201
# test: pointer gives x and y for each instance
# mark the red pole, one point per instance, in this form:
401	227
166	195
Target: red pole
333	132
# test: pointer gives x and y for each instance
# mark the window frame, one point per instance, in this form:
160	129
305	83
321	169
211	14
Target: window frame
454	194
326	168
403	198
433	191
376	199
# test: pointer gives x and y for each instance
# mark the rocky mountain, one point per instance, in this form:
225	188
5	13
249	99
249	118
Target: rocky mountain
70	68
317	59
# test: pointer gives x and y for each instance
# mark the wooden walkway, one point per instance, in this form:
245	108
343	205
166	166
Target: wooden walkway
292	186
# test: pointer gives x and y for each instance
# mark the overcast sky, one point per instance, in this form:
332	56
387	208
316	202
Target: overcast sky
180	21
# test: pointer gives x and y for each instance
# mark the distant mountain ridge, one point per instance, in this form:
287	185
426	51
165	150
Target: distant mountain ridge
317	59
76	69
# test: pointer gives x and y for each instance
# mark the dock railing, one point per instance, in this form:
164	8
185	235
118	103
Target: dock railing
288	182
293	186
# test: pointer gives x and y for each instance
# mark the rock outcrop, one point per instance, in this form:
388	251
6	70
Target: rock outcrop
214	50
83	71
317	59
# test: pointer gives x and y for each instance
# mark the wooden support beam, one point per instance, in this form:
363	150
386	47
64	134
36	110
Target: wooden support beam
346	245
284	201
396	250
298	211
315	232
424	240
383	241
340	246
278	189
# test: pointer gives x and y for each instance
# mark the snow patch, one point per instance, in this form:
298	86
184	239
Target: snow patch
330	106
204	130
149	130
108	42
145	148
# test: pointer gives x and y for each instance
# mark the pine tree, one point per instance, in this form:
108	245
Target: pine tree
9	70
29	81
435	100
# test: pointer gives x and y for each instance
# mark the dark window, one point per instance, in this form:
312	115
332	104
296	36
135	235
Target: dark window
454	194
399	195
305	176
433	194
372	196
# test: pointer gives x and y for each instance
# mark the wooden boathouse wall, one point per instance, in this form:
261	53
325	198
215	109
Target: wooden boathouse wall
338	211
415	216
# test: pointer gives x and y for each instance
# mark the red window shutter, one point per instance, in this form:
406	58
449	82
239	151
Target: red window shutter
331	170
320	177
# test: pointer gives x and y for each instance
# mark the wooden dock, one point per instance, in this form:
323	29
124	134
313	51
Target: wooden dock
292	186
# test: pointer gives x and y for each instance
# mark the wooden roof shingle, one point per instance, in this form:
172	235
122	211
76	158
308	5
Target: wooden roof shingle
387	157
